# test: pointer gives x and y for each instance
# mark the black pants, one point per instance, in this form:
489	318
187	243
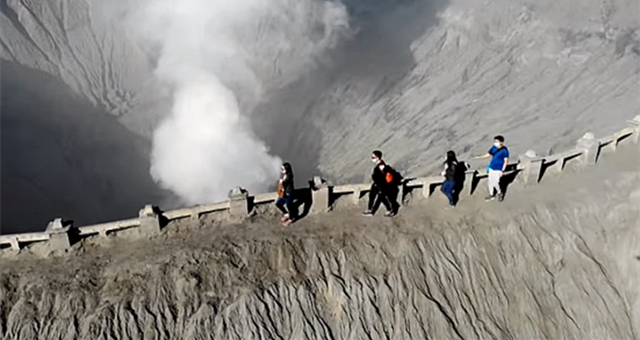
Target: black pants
386	195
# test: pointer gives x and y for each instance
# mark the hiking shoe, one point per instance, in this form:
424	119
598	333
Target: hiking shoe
367	213
500	197
490	198
390	214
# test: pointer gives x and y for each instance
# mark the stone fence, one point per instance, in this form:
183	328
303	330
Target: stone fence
321	197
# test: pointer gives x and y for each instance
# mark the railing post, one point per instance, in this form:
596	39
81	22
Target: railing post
15	244
591	148
238	202
426	189
356	196
149	220
59	238
321	195
195	217
635	125
554	167
532	167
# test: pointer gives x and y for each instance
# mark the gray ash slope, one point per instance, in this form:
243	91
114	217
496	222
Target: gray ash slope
556	261
419	77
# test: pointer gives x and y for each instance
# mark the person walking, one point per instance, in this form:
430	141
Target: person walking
385	180
499	154
451	173
285	195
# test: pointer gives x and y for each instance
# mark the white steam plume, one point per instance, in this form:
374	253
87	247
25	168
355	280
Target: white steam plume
216	55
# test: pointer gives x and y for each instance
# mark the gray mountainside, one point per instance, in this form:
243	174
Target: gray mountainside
418	78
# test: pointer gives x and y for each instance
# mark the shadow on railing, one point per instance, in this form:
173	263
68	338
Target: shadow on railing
321	196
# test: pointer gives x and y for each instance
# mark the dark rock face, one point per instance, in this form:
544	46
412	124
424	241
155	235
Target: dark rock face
557	261
63	157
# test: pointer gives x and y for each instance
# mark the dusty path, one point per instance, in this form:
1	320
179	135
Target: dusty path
559	260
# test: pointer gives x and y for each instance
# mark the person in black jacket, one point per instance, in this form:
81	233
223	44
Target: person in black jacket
382	191
454	176
285	193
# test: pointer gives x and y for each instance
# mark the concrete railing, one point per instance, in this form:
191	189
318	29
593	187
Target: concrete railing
105	228
530	168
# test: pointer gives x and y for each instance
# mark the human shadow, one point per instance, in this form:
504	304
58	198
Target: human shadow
302	198
460	178
510	175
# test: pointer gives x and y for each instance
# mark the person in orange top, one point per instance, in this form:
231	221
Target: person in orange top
285	195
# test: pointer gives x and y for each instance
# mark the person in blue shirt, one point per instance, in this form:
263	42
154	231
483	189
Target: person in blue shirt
499	161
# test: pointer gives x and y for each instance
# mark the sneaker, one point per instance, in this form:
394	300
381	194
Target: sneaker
390	214
490	198
287	223
500	197
285	217
367	213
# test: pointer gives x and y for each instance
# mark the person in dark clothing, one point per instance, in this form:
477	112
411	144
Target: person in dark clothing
460	177
451	173
285	195
383	191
